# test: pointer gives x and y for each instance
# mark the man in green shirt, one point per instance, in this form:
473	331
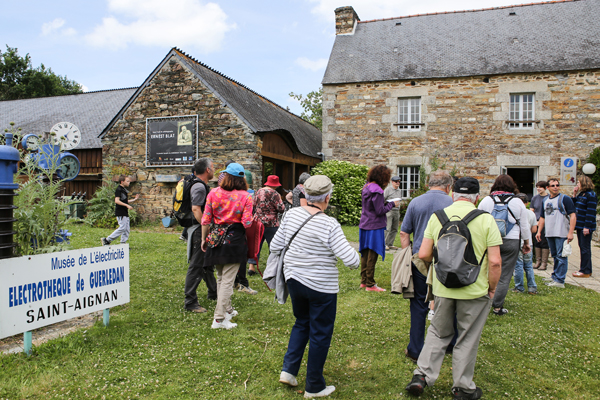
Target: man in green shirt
470	303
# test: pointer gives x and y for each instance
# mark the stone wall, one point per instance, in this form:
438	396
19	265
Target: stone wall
465	123
175	91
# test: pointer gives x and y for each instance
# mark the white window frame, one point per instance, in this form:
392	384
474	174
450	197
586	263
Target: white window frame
409	179
411	119
521	111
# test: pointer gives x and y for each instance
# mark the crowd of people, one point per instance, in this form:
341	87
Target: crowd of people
493	236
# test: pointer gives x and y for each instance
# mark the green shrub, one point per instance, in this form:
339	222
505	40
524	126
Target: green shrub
348	180
101	207
594	158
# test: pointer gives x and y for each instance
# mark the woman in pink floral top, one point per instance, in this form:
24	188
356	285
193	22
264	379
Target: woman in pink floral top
229	210
267	207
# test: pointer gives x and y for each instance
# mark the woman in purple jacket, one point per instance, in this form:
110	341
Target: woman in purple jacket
372	224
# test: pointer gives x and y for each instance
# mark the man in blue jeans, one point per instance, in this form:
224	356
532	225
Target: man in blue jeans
415	220
559	218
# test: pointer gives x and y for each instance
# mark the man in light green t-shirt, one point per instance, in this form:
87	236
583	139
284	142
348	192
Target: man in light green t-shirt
470	304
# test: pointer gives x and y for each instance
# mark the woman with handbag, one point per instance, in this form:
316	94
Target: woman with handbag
312	280
586	201
227	214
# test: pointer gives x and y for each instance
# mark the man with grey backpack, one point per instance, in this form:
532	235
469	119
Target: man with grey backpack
511	217
559	218
466	260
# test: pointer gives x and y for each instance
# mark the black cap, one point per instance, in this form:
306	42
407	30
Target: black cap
466	185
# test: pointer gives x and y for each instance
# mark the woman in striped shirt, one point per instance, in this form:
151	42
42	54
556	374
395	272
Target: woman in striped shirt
586	202
312	280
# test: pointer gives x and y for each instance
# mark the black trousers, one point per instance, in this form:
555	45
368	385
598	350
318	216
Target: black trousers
241	277
196	272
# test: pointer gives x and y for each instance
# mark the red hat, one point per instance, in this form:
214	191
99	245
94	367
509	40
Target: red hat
272	180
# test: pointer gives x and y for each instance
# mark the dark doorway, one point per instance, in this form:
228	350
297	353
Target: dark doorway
524	179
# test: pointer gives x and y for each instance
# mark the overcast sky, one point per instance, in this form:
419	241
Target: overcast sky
272	46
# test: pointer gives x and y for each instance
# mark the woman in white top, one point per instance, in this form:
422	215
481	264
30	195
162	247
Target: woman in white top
312	280
504	187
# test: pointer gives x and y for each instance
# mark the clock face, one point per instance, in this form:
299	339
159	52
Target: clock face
31	142
68	167
65	134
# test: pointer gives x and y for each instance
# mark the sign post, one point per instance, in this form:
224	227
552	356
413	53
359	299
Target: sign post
44	289
568	170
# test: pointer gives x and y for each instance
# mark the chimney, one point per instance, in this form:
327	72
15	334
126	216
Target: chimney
345	20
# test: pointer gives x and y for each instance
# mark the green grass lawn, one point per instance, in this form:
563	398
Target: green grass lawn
547	347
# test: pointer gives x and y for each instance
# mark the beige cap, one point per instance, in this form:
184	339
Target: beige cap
317	185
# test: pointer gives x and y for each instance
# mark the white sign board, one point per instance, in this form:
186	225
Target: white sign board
568	170
44	289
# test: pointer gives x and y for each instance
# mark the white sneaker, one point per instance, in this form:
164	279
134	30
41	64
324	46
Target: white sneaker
325	392
288	379
230	315
430	315
225	324
555	284
547	279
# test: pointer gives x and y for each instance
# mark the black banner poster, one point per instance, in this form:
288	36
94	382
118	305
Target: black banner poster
171	141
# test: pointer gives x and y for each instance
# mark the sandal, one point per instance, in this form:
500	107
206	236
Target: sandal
581	275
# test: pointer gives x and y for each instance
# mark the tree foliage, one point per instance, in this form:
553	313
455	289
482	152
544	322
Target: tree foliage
594	158
19	80
312	105
348	180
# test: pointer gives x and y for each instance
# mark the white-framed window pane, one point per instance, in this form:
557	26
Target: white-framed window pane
409	112
409	179
521	108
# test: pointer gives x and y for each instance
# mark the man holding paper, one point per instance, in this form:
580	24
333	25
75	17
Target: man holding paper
392	193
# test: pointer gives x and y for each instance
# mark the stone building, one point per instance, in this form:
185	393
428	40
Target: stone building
222	119
507	89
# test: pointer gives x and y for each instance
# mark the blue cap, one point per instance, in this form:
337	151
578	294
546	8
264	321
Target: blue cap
235	169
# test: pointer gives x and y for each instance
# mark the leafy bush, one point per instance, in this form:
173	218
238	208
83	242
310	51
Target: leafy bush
348	180
594	158
101	207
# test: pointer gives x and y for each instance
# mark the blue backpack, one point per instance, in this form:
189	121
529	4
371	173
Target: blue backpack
500	213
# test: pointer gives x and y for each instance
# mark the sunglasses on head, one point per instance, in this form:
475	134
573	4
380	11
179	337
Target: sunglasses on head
557	185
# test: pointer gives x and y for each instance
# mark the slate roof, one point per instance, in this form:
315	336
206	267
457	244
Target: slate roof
90	112
551	36
259	113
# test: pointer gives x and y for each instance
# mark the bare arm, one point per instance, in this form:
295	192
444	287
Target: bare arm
572	222
205	230
119	202
404	239
426	250
197	210
289	197
494	269
541	221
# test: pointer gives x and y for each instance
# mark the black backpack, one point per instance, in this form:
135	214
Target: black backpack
182	200
454	260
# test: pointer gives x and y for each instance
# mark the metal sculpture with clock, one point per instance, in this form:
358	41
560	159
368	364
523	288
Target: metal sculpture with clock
63	136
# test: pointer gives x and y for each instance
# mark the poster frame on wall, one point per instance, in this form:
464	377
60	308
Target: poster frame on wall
178	118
